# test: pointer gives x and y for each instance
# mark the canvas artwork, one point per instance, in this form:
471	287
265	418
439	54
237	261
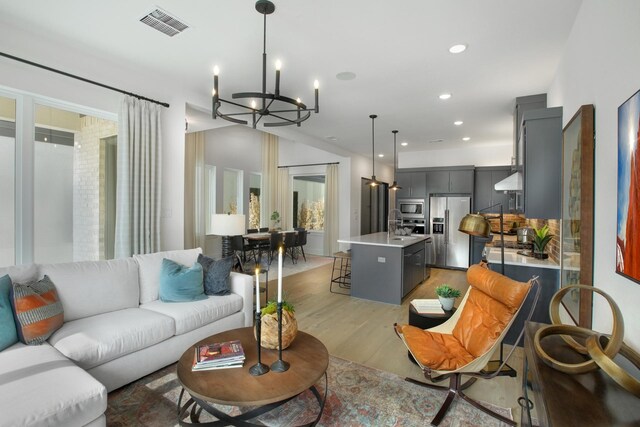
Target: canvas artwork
628	219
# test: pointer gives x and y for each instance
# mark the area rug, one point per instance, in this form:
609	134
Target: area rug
288	268
358	396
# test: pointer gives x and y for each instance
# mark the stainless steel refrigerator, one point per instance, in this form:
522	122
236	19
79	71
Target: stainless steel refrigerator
450	245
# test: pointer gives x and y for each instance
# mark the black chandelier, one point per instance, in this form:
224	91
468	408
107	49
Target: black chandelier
395	185
284	111
373	181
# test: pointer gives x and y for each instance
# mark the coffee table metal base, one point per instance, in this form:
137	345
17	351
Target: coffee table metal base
193	407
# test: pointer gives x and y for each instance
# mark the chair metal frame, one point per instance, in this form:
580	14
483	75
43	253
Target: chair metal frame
473	369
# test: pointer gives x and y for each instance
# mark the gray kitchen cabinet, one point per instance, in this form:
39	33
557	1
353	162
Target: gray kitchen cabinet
484	194
524	103
541	134
413	268
437	181
461	181
549	284
413	185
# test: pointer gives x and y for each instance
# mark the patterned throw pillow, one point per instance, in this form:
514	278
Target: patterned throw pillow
179	283
38	311
8	334
217	279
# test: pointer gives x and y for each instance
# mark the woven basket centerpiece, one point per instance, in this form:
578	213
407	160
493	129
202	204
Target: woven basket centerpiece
269	332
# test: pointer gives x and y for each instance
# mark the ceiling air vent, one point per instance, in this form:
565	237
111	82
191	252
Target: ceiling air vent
162	21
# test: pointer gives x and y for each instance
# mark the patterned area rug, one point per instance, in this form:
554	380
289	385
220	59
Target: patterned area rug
358	396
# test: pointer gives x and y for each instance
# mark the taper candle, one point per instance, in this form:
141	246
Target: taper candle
257	290
280	274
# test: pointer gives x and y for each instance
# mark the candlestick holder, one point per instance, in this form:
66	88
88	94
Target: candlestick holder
279	365
259	368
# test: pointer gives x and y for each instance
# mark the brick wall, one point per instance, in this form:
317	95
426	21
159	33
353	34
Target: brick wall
87	177
553	247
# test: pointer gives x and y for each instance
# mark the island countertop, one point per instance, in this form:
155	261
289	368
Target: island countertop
382	239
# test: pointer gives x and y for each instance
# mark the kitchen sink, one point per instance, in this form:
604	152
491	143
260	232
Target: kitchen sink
402	238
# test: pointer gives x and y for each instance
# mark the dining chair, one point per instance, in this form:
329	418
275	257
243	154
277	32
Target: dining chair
290	245
465	343
276	240
264	229
252	230
301	240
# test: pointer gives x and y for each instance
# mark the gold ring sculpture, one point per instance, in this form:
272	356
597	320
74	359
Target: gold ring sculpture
601	357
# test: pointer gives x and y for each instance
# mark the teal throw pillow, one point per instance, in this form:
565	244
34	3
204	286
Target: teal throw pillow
8	333
179	283
217	275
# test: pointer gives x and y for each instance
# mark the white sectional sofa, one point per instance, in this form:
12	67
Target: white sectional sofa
115	331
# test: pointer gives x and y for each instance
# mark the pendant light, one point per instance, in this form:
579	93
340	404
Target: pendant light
395	185
373	181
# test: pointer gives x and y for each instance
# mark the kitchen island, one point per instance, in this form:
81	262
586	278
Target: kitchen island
384	268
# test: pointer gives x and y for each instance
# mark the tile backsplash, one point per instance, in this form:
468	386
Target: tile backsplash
553	247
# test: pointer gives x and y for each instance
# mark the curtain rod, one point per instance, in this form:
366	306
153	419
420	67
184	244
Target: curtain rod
309	164
73	76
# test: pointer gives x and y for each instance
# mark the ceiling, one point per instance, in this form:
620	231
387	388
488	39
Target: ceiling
398	51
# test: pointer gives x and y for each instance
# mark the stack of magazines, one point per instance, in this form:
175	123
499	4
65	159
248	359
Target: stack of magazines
223	355
427	306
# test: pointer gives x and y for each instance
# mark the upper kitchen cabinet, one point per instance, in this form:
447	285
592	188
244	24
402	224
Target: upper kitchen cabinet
485	194
524	103
541	139
450	180
413	185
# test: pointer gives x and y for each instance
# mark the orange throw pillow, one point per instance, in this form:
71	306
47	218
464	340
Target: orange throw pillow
37	309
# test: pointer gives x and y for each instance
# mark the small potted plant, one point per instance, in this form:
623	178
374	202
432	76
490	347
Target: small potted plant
447	295
540	239
269	325
275	217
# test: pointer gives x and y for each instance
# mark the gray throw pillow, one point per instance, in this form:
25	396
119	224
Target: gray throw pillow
217	279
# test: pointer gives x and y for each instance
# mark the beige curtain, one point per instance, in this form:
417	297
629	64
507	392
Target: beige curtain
194	196
283	200
331	211
138	178
269	178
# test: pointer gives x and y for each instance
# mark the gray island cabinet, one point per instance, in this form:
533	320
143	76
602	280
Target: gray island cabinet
386	269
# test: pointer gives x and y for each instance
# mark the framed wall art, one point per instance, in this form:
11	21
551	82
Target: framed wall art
576	243
628	218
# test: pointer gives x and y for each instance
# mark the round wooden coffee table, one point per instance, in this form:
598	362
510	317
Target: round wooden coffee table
237	387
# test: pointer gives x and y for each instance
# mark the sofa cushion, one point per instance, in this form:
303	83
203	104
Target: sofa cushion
95	340
39	386
216	274
192	315
149	266
179	283
38	311
8	333
93	287
21	273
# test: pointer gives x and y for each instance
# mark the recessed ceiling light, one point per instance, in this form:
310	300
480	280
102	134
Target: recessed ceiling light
346	75
331	138
458	48
404	144
380	155
436	140
445	96
458	122
466	138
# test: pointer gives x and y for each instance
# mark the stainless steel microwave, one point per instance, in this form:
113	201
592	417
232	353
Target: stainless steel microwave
411	208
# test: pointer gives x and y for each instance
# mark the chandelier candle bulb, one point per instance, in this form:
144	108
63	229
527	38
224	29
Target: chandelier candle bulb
280	274
257	290
278	66
316	86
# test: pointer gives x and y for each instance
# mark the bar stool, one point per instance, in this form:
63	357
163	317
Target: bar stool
341	272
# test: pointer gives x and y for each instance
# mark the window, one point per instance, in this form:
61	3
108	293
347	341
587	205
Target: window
308	201
232	191
74	185
7	180
255	186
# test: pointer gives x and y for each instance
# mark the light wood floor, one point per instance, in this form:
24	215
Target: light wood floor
362	331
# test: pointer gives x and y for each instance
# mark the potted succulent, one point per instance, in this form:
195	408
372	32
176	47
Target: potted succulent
275	217
540	239
269	325
447	295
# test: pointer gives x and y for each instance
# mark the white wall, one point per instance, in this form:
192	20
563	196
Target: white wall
601	66
7	212
487	155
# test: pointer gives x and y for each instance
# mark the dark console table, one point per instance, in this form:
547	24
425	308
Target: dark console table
559	399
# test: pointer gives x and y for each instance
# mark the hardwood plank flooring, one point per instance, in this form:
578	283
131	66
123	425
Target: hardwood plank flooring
362	331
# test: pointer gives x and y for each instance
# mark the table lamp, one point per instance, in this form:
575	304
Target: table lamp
227	225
